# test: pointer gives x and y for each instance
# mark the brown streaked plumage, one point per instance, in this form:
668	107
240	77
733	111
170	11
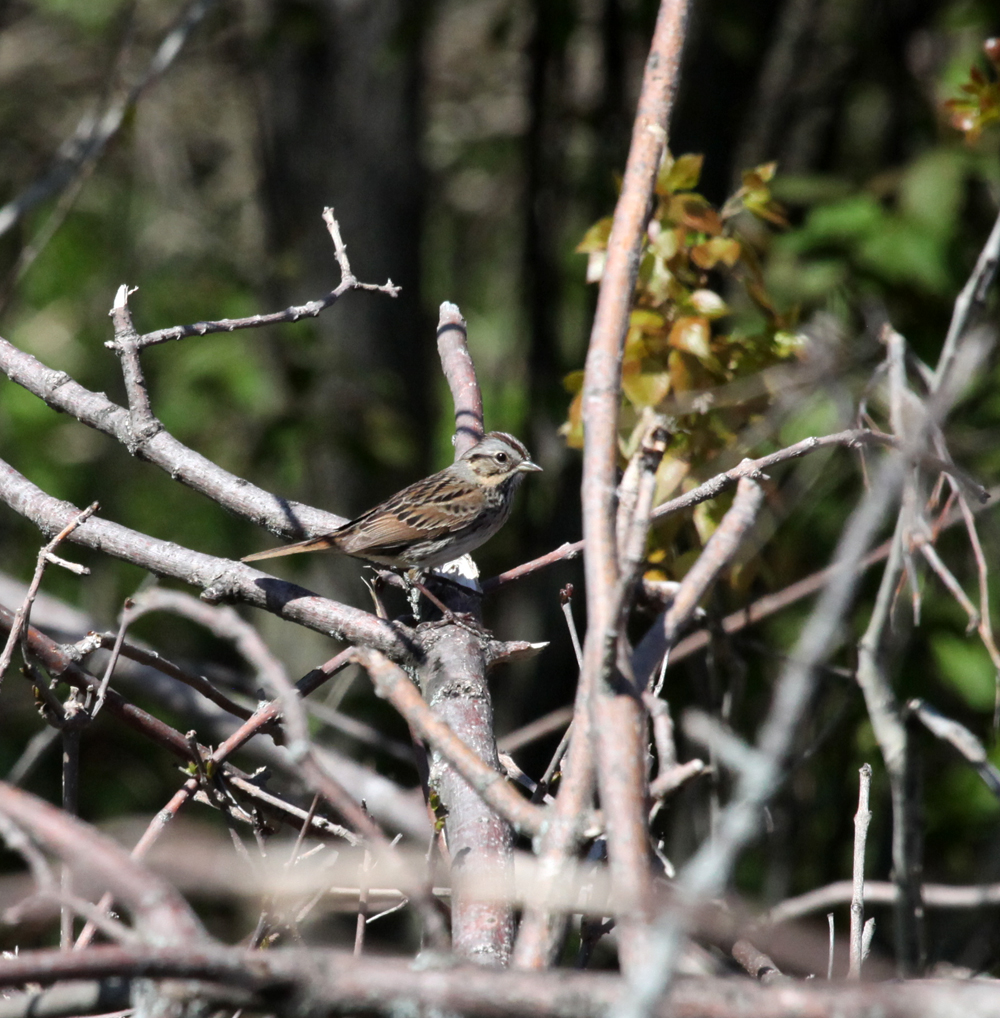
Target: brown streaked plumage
437	519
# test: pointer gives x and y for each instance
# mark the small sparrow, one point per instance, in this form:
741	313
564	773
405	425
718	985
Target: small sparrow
437	519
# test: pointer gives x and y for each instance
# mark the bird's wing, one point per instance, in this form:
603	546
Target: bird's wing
428	509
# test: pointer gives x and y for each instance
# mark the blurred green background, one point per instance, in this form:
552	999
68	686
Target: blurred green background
466	146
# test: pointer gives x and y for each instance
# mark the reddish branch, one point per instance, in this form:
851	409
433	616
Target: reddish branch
618	719
57	663
151	659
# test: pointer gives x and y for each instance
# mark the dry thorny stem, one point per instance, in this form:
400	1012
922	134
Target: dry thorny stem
618	708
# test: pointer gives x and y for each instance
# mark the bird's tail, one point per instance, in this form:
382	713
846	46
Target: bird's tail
312	544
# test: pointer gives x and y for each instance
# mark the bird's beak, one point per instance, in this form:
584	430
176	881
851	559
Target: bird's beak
528	467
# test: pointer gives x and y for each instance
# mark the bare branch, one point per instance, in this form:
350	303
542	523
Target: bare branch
709	870
722	546
618	718
961	738
883	892
970	303
281	516
340	983
152	659
756	963
219	578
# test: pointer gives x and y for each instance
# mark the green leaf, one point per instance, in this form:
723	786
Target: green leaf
965	665
853	218
932	191
902	252
646	321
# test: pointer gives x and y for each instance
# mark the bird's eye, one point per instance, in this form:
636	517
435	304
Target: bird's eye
501	457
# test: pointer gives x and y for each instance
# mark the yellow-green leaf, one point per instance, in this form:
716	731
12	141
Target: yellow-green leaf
596	238
669	476
682	175
644	388
695	212
691	334
717	249
573	428
573	382
708	304
759	175
665	243
646	321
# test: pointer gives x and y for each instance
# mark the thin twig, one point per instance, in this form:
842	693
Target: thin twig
565	602
852	438
155	660
969	303
883	892
719	551
116	650
535	730
359	928
961	738
23	614
311	309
